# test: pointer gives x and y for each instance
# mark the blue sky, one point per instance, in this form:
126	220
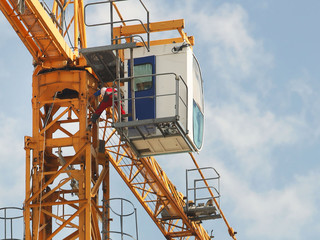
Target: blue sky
260	64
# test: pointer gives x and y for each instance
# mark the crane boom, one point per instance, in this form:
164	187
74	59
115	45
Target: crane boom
152	188
38	32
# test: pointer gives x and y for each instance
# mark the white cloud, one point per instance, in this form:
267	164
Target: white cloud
301	96
235	53
276	213
301	87
245	130
250	135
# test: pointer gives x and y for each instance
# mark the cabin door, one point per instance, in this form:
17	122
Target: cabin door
144	88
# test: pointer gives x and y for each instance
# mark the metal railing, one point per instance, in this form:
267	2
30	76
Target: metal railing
9	216
111	22
126	218
180	94
200	186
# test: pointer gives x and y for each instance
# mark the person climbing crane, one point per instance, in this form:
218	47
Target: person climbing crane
106	95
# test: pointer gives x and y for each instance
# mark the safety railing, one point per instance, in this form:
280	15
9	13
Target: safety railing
12	218
198	194
112	22
124	214
175	102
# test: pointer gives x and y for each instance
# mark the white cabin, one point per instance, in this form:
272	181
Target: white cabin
165	106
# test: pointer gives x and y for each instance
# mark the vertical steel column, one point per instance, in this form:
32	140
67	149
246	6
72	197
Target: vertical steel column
26	212
187	191
88	209
133	96
177	95
118	98
111	21
5	223
106	197
76	32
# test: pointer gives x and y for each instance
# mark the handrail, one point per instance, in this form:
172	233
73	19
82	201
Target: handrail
10	220
112	3
174	93
205	181
131	37
122	216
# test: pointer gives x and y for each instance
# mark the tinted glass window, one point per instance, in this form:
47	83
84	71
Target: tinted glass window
142	83
197	84
198	105
198	122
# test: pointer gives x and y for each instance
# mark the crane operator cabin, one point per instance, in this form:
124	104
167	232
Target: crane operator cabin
162	94
168	101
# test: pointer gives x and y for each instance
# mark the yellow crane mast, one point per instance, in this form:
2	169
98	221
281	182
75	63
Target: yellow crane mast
67	164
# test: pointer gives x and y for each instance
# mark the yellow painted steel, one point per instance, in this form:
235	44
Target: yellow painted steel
128	30
41	35
47	187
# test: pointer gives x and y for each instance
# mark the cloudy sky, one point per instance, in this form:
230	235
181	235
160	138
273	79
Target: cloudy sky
260	65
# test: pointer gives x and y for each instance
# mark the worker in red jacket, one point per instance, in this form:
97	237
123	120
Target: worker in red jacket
106	94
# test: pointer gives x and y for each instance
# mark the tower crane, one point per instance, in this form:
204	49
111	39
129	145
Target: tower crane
67	164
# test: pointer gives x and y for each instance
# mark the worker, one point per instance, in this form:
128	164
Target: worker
106	95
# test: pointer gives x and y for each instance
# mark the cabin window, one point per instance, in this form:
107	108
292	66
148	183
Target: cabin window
142	83
198	105
197	125
197	84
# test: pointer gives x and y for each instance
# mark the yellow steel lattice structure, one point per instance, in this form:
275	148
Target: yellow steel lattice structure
60	113
42	34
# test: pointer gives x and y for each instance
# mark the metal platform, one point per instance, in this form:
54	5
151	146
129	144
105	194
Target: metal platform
202	212
103	60
202	193
195	213
155	136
